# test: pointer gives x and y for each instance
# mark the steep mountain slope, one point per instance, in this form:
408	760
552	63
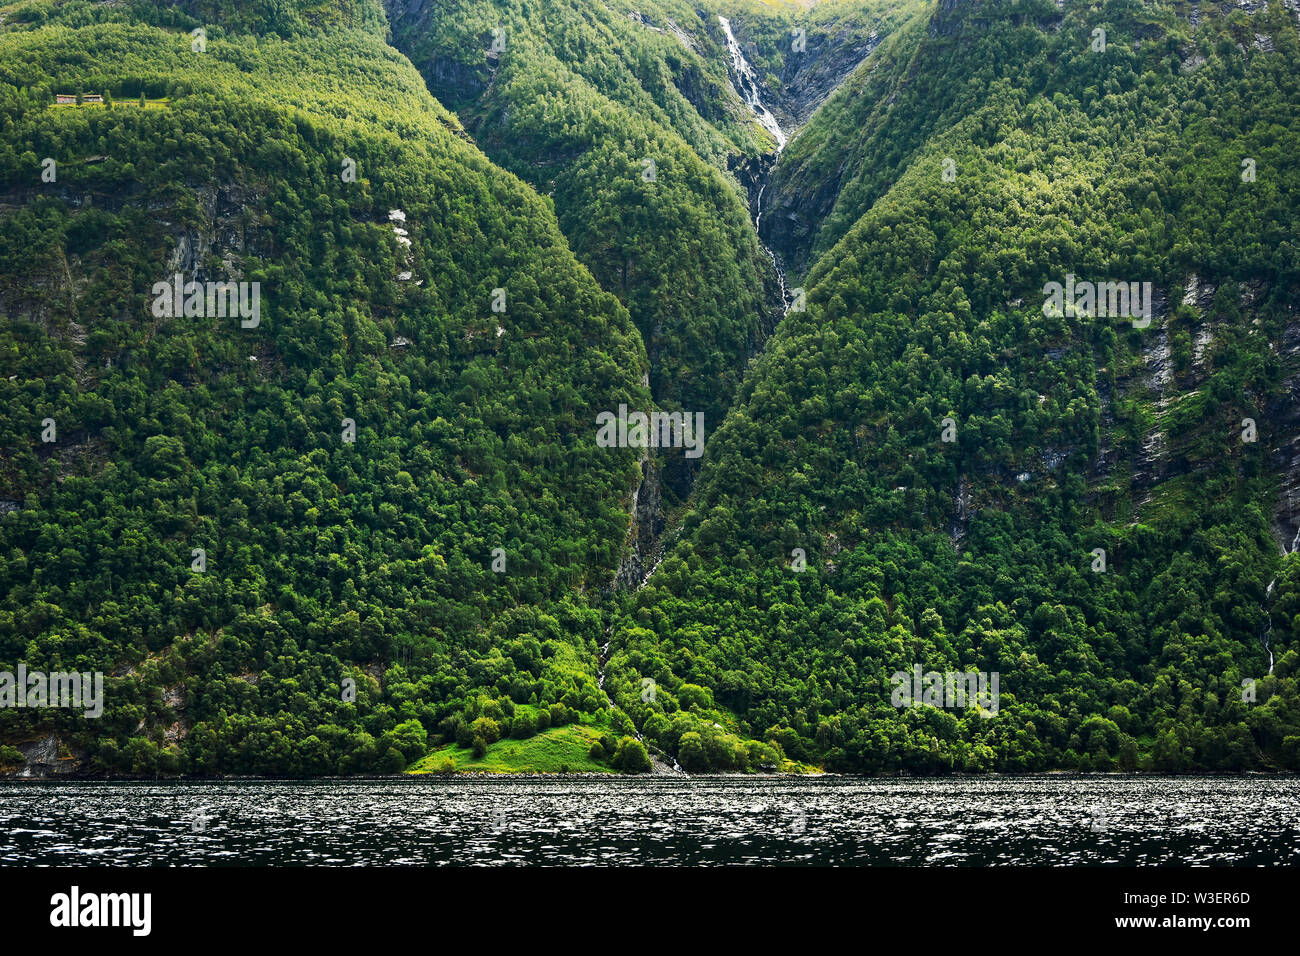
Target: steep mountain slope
631	126
362	512
1089	506
804	52
628	115
237	515
629	123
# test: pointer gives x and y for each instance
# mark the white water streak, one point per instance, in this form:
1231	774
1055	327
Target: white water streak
748	87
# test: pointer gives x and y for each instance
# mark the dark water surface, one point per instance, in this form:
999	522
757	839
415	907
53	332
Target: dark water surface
413	822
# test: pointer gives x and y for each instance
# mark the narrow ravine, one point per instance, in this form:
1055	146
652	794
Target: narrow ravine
747	88
636	571
1267	639
746	85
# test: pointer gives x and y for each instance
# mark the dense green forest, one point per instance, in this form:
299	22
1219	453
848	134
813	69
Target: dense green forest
374	530
630	132
1070	433
326	559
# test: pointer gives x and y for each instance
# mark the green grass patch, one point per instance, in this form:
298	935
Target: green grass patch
557	750
799	768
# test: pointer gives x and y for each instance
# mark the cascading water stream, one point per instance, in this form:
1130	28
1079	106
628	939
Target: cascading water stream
746	85
1267	638
602	658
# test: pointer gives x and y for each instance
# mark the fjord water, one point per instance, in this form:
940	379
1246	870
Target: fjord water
652	821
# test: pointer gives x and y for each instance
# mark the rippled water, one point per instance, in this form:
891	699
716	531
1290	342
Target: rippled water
1045	821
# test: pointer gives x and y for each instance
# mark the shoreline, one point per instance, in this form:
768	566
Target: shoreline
531	775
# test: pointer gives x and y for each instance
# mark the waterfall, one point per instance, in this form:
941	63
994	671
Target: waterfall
650	570
1267	639
746	86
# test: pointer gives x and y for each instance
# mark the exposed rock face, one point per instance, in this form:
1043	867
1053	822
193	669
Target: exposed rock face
951	15
1284	450
962	502
225	230
809	77
646	526
45	758
751	173
455	82
1155	460
795	208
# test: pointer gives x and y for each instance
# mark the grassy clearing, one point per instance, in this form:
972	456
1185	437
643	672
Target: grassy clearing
557	750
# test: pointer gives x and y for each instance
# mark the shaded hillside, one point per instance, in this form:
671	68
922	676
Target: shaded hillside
625	116
237	515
